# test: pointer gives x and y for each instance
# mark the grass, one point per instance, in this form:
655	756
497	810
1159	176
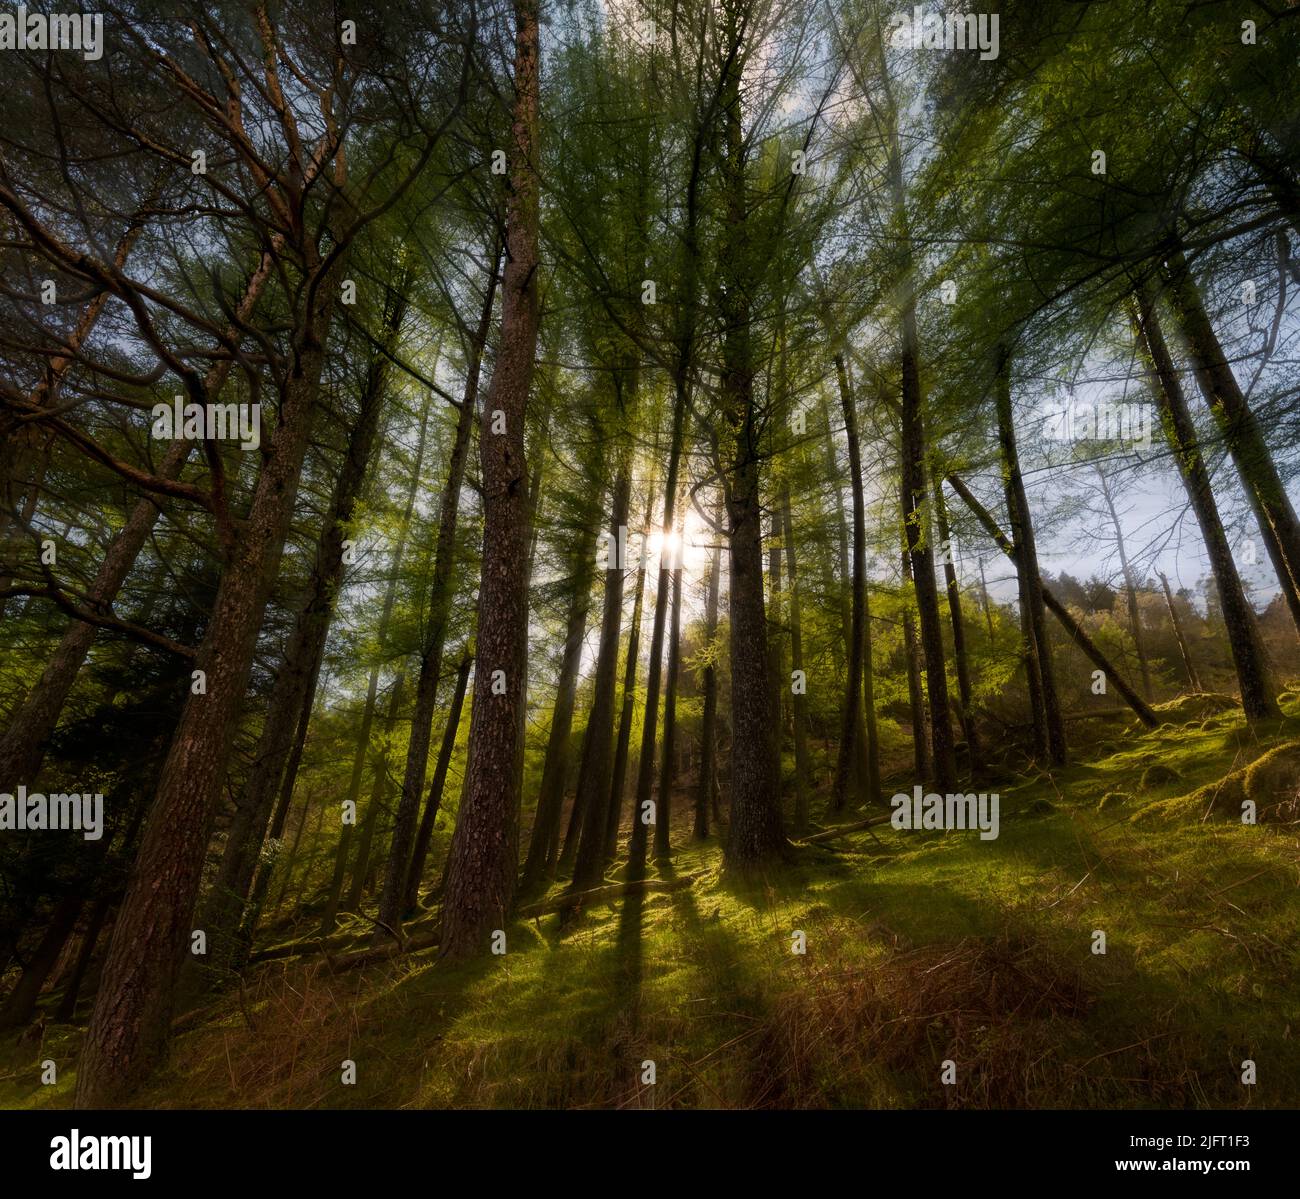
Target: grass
925	949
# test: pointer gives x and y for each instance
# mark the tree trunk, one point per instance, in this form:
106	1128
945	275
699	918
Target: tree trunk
708	727
300	666
440	597
484	857
425	834
376	805
22	748
668	767
1258	693
639	837
1130	588
1026	559
619	776
592	799
343	852
755	832
915	697
21	1003
67	1009
1193	679
799	699
851	714
1241	432
543	848
1059	610
964	689
129	1029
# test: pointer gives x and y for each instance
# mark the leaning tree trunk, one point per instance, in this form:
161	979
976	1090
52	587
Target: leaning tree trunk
1245	440
483	862
129	1029
300	666
1072	627
21	1002
1258	692
1022	533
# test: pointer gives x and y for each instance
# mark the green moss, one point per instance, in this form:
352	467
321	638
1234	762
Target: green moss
919	949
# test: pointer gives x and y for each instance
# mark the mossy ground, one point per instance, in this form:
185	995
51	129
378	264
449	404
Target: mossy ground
921	949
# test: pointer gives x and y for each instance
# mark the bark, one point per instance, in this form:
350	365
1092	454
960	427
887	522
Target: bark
1059	610
440	597
266	869
1026	559
755	831
864	745
913	450
1258	692
484	857
300	665
129	1028
1241	431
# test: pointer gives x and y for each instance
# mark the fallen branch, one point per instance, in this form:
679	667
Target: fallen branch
845	829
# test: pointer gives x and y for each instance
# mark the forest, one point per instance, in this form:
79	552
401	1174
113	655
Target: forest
650	554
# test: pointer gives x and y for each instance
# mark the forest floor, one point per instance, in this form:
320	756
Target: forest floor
921	948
